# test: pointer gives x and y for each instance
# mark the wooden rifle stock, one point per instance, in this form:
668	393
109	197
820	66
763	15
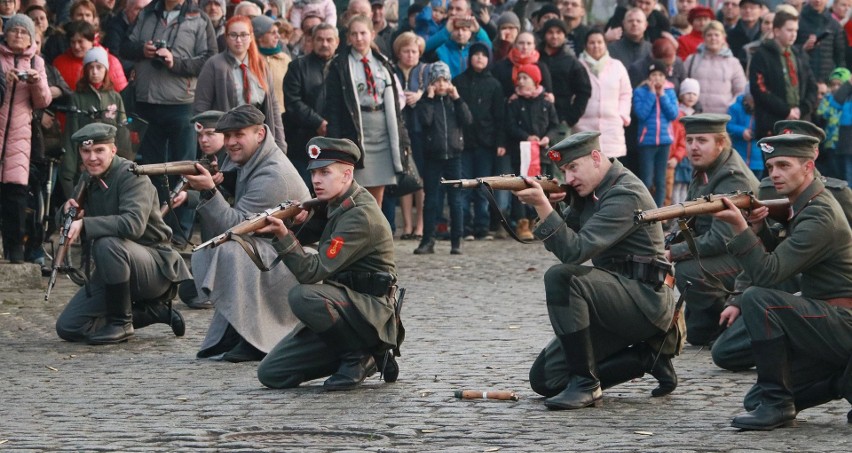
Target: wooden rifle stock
709	205
507	182
181	167
283	211
68	218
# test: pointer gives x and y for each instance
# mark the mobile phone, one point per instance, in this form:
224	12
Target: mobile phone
822	36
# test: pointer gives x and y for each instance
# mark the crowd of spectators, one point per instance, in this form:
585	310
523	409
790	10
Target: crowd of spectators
454	87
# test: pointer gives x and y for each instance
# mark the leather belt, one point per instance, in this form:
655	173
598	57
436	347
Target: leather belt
373	108
844	302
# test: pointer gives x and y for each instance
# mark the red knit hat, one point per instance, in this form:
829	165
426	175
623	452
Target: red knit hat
700	11
531	70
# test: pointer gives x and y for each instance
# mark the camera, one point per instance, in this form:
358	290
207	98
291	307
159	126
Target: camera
158	61
23	76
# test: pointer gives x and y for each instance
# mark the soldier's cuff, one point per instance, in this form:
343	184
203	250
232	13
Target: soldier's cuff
549	225
285	245
680	251
742	243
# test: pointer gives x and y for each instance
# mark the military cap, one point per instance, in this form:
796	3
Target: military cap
798	127
324	151
206	120
705	123
239	118
788	145
574	147
94	134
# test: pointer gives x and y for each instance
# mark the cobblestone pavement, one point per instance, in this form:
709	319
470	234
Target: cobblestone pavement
475	321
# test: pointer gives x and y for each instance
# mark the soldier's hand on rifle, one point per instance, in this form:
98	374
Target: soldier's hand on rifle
535	197
733	216
201	181
179	199
218	178
729	315
556	197
74	231
72	203
755	218
275	226
301	217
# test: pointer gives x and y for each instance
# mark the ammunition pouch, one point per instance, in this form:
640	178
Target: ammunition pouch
646	269
377	284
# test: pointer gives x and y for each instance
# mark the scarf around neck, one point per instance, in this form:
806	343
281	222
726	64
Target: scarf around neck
270	51
518	60
595	66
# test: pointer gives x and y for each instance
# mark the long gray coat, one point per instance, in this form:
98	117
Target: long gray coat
253	302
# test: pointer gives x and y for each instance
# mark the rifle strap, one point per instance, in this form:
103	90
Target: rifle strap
711	279
488	193
248	244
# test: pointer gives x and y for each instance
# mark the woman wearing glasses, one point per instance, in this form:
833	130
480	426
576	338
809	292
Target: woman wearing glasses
238	76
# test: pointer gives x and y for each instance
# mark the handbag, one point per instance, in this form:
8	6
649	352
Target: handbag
408	181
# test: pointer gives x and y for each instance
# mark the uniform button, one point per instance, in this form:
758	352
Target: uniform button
545	230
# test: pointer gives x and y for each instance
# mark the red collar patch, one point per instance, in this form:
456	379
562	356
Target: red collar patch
334	247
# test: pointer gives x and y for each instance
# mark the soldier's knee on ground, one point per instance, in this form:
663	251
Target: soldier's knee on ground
538	377
732	350
273	378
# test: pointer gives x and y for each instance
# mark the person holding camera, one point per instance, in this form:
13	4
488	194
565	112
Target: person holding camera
169	44
26	89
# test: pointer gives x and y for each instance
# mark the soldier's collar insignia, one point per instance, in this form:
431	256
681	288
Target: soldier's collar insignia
766	148
554	155
314	151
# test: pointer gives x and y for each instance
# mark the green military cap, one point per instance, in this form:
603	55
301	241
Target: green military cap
239	118
574	147
206	120
788	145
325	151
705	123
799	127
94	134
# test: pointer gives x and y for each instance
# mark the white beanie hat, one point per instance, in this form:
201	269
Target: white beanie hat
96	54
690	86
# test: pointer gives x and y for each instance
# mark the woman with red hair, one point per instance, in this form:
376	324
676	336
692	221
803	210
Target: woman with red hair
239	76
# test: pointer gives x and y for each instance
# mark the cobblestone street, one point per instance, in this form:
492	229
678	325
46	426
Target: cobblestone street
475	321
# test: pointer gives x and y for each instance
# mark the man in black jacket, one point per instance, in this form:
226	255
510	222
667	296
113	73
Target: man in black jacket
303	93
780	79
822	38
571	85
747	29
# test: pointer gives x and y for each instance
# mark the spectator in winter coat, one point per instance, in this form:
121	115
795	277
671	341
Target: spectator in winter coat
655	104
699	17
741	130
717	70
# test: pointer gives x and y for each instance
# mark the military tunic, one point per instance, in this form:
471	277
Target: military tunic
705	300
245	298
128	241
818	245
356	238
620	311
836	187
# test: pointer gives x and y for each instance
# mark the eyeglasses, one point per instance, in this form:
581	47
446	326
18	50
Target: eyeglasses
17	30
236	36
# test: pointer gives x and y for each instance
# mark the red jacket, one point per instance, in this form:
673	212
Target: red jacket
71	69
678	148
688	44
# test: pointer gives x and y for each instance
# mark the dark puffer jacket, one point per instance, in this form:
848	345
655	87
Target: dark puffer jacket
443	119
484	98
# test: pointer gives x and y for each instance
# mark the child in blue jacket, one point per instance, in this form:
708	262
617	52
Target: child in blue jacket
655	104
741	130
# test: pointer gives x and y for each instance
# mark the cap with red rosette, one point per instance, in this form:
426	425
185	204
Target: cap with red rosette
324	151
574	147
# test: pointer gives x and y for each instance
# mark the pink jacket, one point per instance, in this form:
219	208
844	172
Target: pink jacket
721	78
16	114
608	110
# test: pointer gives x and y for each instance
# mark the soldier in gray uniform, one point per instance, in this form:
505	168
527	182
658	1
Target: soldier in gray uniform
786	329
597	312
718	170
136	269
350	317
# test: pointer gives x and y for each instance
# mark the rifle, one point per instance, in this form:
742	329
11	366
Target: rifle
181	186
68	218
507	182
283	211
710	204
181	167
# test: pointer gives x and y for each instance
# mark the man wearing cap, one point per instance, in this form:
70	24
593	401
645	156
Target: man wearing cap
786	330
250	317
732	350
571	85
624	299
747	29
350	317
710	269
508	28
136	270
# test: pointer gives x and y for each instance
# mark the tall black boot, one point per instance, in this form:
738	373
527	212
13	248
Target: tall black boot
777	407
119	316
623	366
662	369
146	313
355	364
584	388
426	247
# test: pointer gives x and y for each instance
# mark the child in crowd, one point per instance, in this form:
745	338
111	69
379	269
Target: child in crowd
454	52
741	130
93	100
320	8
483	95
529	117
655	105
831	112
690	90
443	114
431	19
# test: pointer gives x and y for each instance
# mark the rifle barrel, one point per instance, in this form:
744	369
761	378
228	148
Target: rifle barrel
183	167
281	211
506	182
705	206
